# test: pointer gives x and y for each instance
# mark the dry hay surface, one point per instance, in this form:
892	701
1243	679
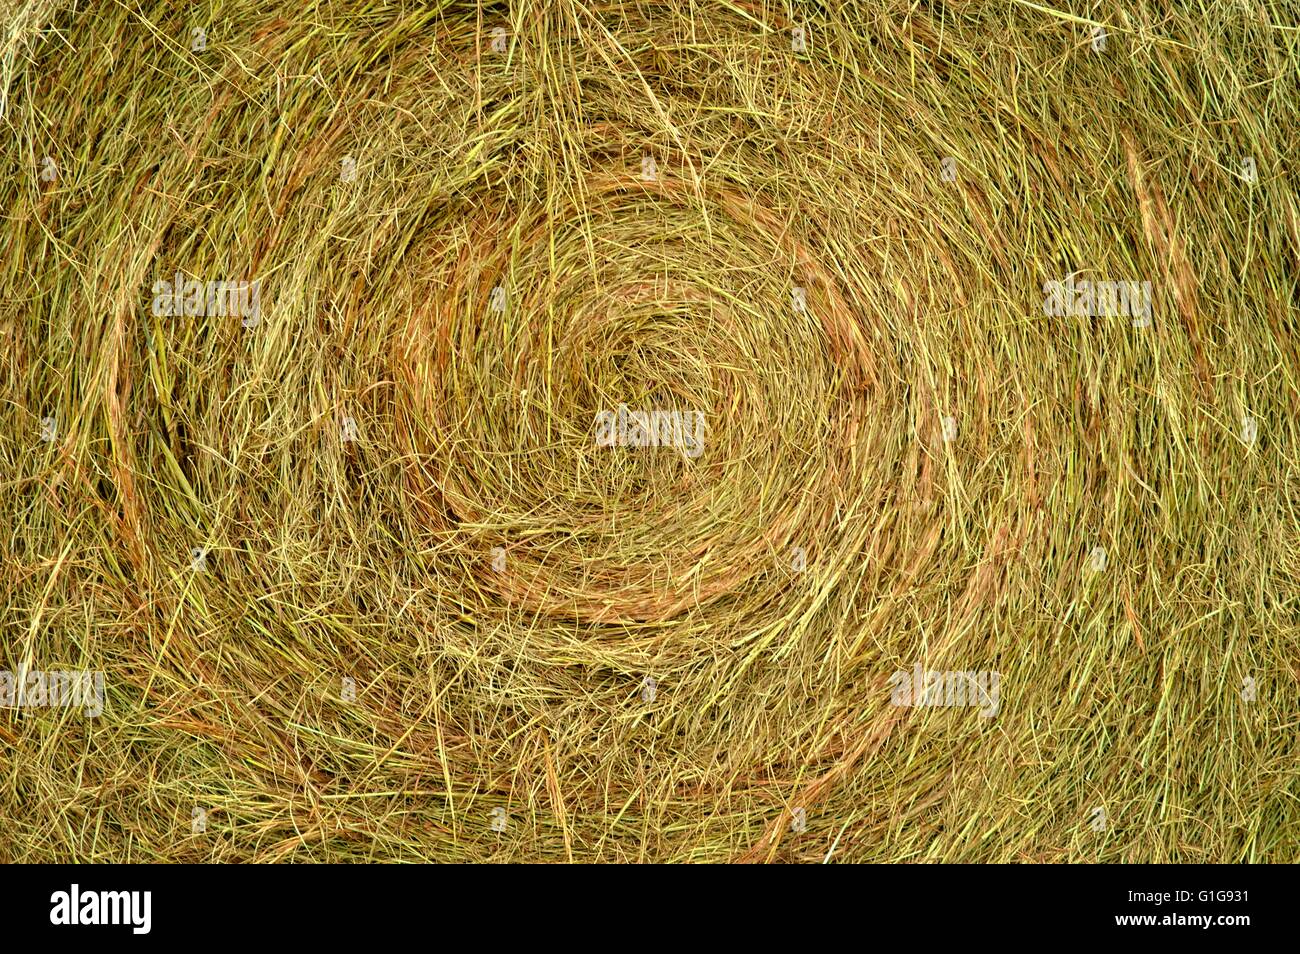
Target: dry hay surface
363	586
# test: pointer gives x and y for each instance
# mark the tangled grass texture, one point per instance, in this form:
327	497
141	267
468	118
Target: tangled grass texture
361	581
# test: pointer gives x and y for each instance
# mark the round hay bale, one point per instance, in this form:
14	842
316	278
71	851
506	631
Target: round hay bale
651	432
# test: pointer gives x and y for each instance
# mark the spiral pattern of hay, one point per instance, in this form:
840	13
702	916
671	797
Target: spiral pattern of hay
364	584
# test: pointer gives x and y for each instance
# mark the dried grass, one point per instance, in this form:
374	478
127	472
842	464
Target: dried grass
525	688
